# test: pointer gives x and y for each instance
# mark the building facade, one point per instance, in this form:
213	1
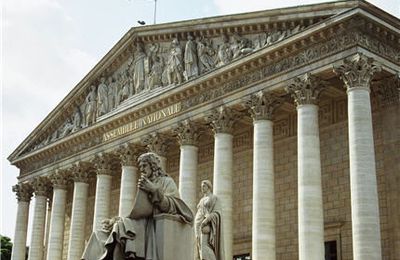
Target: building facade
292	113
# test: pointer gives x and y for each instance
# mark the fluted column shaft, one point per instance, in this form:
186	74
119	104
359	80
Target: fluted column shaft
305	91
261	107
188	175
263	229
188	134
356	73
38	227
57	222
223	184
24	194
78	220
128	189
311	225
102	200
47	231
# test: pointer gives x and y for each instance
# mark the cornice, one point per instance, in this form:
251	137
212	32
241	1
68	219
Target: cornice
211	80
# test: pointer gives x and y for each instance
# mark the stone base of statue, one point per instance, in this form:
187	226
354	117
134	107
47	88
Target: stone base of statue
174	238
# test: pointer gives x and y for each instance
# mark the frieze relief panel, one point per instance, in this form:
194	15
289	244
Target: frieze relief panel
340	40
156	65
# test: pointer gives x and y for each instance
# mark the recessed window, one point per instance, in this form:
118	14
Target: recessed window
331	250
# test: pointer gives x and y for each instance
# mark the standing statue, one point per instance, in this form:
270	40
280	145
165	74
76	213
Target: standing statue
174	65
112	89
208	226
191	66
224	52
90	106
118	90
134	237
205	54
138	68
125	86
102	97
77	120
155	75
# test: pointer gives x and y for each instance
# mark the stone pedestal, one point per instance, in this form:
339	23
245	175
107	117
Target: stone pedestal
174	238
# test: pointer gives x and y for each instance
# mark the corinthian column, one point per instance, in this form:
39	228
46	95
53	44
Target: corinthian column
222	121
41	186
356	73
158	143
128	155
188	136
24	194
103	190
305	91
261	107
80	175
57	222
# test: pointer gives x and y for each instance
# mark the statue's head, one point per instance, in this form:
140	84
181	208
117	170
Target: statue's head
206	185
150	165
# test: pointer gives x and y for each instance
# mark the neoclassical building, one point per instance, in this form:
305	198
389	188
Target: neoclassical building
293	114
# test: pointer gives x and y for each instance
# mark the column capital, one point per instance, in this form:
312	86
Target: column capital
104	163
156	143
41	186
81	171
23	191
128	154
60	179
188	132
357	71
222	119
262	105
305	89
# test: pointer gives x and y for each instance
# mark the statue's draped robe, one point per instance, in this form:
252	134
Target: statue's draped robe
137	236
209	239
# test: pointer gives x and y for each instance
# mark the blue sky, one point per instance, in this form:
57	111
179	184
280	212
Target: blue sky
49	45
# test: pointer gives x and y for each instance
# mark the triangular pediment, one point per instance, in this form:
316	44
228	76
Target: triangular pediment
150	60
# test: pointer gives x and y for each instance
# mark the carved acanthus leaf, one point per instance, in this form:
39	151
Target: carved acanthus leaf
128	154
222	120
81	171
23	191
157	143
306	89
262	105
357	71
41	186
60	179
104	163
188	133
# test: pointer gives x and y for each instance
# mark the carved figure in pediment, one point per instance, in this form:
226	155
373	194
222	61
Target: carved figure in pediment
224	52
138	67
77	120
275	37
175	64
155	75
102	97
191	65
240	46
66	128
91	106
112	88
118	90
205	53
125	86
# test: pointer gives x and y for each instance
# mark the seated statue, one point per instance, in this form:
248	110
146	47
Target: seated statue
135	236
208	226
